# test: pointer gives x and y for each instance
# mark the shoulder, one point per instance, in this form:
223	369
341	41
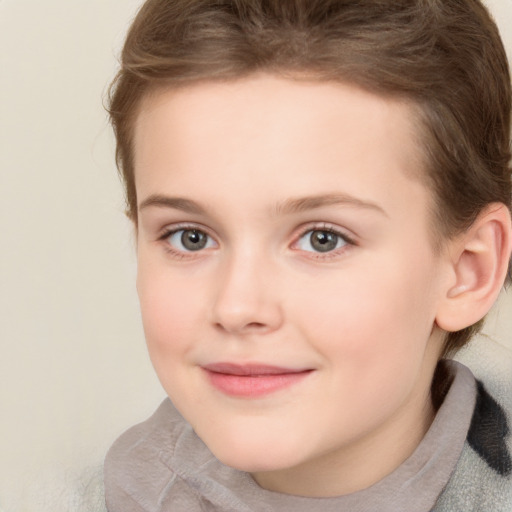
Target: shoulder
136	472
482	479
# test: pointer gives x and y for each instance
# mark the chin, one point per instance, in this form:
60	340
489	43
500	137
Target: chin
250	464
252	457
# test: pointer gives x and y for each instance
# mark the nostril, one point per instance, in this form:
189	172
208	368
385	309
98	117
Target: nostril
251	326
255	325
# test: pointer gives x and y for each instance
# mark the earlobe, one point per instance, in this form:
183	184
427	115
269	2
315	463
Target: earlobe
480	258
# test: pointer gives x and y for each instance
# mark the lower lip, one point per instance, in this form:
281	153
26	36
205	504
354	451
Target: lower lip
254	386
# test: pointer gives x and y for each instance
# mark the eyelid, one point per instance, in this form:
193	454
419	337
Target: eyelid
326	226
169	229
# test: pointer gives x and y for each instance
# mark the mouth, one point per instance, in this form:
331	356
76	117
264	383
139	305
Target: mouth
252	380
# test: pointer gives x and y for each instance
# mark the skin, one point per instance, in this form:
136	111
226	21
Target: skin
362	316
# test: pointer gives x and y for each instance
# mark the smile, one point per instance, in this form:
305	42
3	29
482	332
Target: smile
252	380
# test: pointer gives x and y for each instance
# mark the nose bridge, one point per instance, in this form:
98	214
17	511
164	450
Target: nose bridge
246	299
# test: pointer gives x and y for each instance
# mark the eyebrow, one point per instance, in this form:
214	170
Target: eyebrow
302	204
293	205
178	203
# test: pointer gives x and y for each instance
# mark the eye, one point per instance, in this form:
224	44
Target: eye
189	240
321	240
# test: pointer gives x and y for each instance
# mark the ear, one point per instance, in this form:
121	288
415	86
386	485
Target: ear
479	260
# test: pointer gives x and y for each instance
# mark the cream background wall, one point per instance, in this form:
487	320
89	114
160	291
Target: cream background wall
73	368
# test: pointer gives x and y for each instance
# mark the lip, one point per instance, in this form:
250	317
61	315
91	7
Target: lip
252	380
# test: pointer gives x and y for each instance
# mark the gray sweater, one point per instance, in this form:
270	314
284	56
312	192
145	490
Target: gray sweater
462	464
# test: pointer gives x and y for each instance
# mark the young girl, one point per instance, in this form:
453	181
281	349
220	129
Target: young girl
321	196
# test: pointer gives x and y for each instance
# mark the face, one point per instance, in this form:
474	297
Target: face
286	274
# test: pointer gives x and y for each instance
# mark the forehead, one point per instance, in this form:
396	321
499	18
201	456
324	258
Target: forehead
270	104
294	136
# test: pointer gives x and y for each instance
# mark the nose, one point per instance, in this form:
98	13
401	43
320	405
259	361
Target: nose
247	296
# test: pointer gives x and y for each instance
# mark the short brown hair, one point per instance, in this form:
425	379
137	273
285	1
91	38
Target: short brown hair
444	56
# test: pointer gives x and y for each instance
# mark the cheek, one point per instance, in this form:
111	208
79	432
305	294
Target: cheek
169	311
374	320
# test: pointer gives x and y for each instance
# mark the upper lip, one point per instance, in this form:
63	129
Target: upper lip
250	369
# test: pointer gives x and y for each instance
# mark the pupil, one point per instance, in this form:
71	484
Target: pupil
193	240
323	241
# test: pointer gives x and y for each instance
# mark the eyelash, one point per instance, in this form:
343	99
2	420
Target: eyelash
323	227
